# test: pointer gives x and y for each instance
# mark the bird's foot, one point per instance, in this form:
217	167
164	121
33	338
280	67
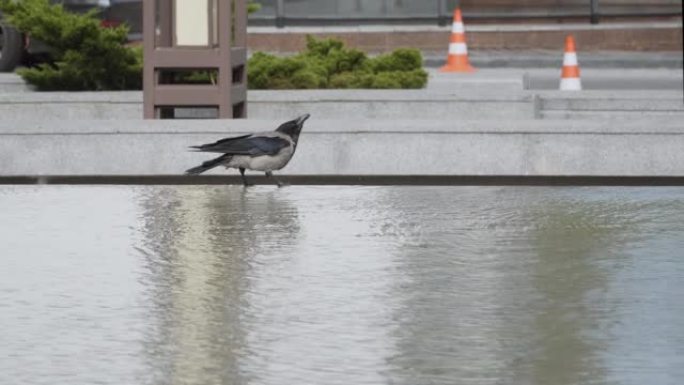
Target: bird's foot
278	183
245	183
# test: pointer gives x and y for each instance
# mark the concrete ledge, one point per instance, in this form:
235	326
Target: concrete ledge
9	82
352	180
378	104
448	101
605	80
633	148
617	105
642	102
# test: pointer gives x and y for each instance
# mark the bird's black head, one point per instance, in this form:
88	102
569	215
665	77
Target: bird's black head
293	127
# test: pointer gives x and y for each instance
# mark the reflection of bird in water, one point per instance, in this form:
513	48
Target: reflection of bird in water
253	221
266	151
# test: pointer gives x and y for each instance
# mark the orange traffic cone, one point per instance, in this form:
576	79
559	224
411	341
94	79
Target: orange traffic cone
570	76
457	61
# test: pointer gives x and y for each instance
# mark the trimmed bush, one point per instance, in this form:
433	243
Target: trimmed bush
89	57
253	7
327	63
402	59
270	72
86	55
352	80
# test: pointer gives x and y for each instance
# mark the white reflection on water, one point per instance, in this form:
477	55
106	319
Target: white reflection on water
326	285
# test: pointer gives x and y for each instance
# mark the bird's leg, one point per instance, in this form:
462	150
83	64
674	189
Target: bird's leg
244	178
269	174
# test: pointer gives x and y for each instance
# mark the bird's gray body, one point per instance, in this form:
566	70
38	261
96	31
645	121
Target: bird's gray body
266	162
266	151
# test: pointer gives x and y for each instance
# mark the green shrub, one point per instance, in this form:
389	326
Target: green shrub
89	57
402	59
332	54
352	80
270	72
306	79
327	63
386	80
86	56
400	79
253	7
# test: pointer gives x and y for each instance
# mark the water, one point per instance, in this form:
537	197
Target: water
341	285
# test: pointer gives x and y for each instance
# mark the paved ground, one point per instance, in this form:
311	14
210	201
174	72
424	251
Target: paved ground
514	79
611	79
554	58
10	82
548	79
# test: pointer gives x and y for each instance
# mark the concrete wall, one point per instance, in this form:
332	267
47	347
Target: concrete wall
356	147
380	104
451	104
615	105
9	82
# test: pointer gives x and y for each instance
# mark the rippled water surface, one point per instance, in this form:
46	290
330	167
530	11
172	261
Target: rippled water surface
341	285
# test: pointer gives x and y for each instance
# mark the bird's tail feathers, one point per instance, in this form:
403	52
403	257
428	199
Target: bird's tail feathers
208	165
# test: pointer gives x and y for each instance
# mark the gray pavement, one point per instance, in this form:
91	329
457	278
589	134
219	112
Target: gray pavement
527	59
610	79
530	59
10	82
549	79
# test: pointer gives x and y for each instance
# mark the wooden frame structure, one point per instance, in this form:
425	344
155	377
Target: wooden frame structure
226	58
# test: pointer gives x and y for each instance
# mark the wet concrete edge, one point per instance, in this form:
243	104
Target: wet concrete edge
353	180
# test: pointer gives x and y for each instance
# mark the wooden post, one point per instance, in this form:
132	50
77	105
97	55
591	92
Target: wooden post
148	67
225	78
164	57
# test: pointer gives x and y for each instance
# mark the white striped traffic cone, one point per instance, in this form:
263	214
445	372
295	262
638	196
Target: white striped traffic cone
570	75
457	61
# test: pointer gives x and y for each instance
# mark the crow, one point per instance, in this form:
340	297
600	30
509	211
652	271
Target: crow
266	151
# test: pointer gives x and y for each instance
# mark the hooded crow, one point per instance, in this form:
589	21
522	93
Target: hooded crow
266	151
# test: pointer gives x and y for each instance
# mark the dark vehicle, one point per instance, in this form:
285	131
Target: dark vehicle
17	49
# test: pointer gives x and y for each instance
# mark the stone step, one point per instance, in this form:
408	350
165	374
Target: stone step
610	115
10	83
331	104
615	101
497	103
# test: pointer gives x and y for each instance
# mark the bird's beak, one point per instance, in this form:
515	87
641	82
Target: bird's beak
302	119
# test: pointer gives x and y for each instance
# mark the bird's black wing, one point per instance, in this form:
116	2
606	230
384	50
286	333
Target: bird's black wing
210	146
247	145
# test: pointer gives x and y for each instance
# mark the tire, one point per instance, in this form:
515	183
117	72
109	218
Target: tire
11	48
